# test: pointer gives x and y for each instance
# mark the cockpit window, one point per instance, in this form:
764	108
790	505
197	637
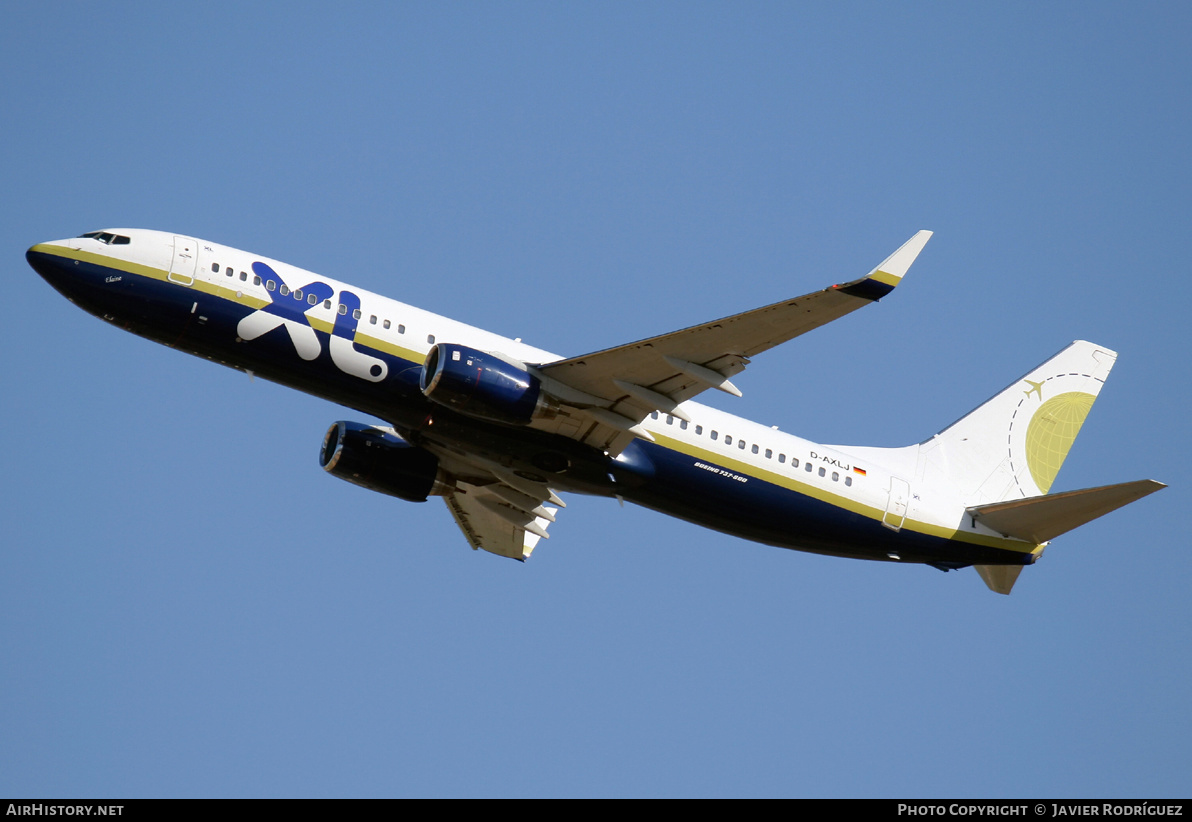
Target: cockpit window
107	238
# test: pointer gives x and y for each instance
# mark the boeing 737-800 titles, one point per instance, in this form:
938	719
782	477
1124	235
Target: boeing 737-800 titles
500	429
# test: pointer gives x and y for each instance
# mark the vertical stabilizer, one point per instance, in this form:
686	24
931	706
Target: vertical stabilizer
1014	445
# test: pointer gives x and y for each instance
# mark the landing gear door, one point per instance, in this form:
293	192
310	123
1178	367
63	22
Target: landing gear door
900	494
182	266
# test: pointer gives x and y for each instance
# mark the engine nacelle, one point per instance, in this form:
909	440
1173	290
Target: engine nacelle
379	460
483	385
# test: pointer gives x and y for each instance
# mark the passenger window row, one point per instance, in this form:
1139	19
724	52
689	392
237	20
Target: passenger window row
753	448
270	285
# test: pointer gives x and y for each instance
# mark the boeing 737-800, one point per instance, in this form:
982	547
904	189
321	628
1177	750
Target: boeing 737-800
500	429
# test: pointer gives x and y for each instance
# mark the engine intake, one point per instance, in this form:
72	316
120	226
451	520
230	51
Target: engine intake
379	460
483	385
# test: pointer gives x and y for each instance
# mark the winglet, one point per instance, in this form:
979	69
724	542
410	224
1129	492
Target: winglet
889	273
897	264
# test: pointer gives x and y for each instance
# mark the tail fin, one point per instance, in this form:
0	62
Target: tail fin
1003	457
1014	445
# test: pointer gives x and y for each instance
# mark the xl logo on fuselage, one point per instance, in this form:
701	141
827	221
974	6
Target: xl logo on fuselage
289	310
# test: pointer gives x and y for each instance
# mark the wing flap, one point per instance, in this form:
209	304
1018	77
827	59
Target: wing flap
501	519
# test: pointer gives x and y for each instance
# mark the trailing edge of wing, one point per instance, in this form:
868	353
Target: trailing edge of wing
657	373
501	519
1039	519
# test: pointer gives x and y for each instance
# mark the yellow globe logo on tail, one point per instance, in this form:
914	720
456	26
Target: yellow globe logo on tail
1051	432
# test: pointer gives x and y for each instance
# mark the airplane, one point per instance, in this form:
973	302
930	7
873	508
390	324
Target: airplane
499	429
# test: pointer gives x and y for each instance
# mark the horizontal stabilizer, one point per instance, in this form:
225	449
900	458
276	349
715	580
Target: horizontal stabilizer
1039	519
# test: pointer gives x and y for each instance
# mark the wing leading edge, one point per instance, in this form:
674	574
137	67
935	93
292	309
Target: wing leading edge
615	389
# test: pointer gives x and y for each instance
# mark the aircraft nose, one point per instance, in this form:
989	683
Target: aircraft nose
48	260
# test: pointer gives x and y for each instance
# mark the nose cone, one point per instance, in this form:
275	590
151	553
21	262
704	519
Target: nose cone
58	264
48	261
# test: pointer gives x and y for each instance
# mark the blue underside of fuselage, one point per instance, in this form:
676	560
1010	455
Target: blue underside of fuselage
646	473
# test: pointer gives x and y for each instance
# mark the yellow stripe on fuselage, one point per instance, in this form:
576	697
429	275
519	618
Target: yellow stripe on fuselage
838	500
233	295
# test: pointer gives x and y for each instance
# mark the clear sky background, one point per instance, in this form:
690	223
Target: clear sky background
190	607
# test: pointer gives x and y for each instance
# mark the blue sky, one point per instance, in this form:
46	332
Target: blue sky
192	608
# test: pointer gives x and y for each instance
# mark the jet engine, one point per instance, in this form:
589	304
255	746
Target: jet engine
379	460
484	385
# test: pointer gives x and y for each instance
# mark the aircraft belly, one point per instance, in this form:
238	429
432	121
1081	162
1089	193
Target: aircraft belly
758	510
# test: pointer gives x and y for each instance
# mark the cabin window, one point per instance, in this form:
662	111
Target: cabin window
754	449
835	476
683	424
215	268
670	420
741	444
794	461
714	435
372	320
313	299
270	286
848	480
808	468
823	471
782	458
386	323
257	281
285	289
430	338
326	303
298	295
728	440
356	314
343	309
243	276
769	454
653	415
699	430
401	329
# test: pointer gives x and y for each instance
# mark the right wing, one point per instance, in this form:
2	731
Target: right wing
604	396
613	390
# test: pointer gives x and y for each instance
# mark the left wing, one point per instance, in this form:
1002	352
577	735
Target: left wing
615	389
501	519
